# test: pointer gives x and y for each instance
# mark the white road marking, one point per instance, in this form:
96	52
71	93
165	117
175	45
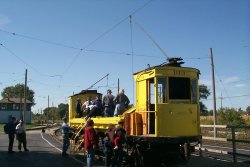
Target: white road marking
61	150
50	143
238	149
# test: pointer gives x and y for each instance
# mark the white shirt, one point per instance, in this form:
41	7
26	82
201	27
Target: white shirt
20	128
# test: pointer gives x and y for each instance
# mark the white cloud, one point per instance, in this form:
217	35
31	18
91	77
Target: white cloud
230	80
205	82
240	85
4	20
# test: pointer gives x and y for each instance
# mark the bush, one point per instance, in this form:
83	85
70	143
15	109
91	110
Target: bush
229	116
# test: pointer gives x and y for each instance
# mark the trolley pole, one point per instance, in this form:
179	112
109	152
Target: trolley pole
214	96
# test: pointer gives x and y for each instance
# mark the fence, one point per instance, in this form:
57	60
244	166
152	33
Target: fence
233	134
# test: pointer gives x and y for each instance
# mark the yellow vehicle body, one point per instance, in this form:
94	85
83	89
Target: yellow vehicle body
158	112
164	120
171	117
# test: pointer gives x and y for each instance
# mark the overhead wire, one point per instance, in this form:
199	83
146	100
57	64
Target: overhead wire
117	24
19	58
41	40
87	50
24	62
107	31
67	46
73	47
88	45
120	53
199	58
236	96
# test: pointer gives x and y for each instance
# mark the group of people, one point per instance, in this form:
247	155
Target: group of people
112	143
109	106
16	128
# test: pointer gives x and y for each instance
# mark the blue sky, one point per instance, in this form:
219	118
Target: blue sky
49	36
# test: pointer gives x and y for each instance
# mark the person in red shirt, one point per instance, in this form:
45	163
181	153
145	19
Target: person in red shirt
90	142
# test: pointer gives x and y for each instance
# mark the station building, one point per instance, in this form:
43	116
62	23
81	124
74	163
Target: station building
14	107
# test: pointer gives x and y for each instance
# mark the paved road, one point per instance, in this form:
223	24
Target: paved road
42	153
46	152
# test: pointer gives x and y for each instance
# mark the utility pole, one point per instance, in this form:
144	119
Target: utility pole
20	107
214	96
118	86
53	113
41	116
47	116
25	91
221	101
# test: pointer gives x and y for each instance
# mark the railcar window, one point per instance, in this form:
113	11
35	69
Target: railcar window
152	94
162	89
179	88
194	91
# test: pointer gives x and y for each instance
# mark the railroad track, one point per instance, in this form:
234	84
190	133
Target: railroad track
223	151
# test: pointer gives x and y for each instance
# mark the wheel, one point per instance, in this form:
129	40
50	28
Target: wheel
137	157
187	152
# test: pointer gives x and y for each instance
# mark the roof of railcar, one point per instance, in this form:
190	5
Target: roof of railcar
165	65
86	92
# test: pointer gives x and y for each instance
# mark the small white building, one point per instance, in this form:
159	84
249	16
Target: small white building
14	107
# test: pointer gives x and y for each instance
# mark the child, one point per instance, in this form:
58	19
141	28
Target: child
118	149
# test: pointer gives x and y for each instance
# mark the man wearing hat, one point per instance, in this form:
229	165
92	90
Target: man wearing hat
108	103
21	136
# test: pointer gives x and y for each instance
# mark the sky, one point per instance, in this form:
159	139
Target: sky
67	46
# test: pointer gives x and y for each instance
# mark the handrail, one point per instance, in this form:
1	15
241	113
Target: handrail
74	147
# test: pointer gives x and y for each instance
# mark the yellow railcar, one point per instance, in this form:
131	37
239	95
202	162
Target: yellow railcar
165	118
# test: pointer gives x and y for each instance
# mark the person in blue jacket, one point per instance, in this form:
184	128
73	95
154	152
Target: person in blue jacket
65	135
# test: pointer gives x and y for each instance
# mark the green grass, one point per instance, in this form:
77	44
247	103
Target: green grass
27	126
1	127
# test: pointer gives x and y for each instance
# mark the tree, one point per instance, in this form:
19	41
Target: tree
51	113
241	112
63	109
203	109
230	116
248	110
204	92
17	91
56	113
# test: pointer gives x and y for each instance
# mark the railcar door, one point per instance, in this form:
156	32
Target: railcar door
151	106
